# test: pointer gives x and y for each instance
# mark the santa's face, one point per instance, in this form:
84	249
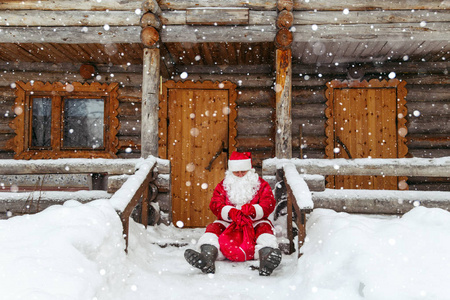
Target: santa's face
239	173
241	186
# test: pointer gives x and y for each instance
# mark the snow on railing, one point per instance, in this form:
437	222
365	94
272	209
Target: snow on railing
299	198
134	191
68	166
125	194
431	167
299	187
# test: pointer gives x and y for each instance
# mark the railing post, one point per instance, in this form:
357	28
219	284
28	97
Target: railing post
144	205
289	227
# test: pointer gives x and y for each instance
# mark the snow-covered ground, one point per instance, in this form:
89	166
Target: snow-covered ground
75	251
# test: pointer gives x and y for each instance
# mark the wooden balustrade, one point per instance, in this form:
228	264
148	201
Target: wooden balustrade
138	189
356	201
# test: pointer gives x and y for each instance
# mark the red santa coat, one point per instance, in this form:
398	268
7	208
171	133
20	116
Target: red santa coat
263	202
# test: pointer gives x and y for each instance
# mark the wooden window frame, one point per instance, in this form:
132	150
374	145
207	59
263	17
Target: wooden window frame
25	92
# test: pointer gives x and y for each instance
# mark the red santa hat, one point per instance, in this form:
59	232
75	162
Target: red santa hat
240	161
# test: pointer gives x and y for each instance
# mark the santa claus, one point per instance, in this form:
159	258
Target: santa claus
242	203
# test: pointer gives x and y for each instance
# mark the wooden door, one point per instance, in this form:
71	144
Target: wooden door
366	119
199	138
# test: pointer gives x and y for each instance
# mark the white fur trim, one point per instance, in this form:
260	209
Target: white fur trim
224	213
263	221
259	212
265	240
209	238
239	165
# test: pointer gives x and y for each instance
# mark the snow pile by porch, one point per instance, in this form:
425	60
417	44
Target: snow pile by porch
75	251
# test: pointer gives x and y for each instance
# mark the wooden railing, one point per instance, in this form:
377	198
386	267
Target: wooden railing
294	202
355	201
135	191
138	189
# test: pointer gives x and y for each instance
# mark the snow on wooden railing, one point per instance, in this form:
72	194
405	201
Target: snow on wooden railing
68	166
23	189
299	198
372	201
356	201
298	186
431	167
134	191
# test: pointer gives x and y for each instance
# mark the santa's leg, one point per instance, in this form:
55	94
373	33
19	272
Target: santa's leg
209	249
266	248
269	259
203	260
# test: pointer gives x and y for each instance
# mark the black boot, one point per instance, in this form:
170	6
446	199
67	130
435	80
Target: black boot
203	260
269	259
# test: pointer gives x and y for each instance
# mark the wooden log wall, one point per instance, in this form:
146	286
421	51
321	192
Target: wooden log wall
428	103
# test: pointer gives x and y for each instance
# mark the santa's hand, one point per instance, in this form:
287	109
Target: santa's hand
249	210
235	215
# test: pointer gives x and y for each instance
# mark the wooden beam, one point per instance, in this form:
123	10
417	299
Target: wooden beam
131	18
310	5
71	5
68	166
352	5
205	34
310	17
437	31
283	96
370	32
150	102
319	17
217	16
71	35
65	18
435	167
306	33
379	202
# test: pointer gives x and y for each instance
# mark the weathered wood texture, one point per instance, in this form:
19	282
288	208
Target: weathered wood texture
283	99
150	102
184	4
428	103
427	100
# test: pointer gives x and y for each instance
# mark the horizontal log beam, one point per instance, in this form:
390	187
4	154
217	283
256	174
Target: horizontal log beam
71	35
69	18
379	202
16	203
305	33
68	166
130	17
432	31
437	167
310	5
202	34
254	4
71	5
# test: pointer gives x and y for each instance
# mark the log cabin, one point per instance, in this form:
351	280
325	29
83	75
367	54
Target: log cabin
192	81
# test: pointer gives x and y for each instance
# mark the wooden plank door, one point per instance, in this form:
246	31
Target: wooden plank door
365	120
198	143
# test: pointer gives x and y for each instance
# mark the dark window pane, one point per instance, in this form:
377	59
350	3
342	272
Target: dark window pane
83	123
42	122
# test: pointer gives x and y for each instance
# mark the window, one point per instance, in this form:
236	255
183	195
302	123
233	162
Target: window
57	120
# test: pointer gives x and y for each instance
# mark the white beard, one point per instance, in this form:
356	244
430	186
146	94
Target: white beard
241	190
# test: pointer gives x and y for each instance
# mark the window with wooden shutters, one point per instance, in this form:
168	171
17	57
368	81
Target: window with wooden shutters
56	120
